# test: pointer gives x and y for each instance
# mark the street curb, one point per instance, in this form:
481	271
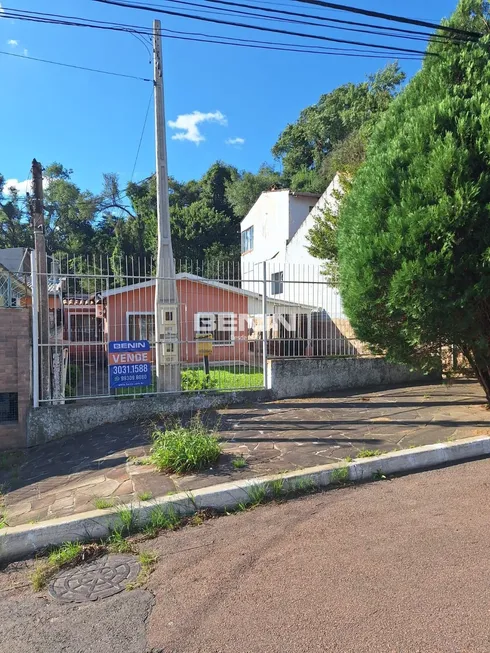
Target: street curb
23	541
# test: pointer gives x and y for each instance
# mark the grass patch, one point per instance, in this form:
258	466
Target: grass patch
101	503
148	561
182	449
340	475
228	377
379	476
66	555
3	510
134	460
161	519
257	494
126	525
239	463
368	453
304	486
41	575
348	459
193	379
277	488
145	496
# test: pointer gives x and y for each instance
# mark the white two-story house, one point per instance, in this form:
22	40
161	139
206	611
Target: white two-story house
275	231
275	258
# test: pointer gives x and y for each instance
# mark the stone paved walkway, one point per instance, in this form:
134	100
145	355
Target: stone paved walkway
69	476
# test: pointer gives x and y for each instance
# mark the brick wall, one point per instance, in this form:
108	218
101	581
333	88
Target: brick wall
15	364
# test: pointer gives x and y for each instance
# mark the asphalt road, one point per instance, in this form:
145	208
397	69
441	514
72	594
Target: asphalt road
395	566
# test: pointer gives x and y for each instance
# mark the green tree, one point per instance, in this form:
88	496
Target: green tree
70	213
14	219
414	231
213	187
243	191
306	144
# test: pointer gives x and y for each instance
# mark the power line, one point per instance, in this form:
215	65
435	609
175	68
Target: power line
338	51
206	38
282	16
142	134
397	31
390	17
128	5
67	65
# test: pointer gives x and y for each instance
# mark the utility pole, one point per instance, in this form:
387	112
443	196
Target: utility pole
37	213
167	312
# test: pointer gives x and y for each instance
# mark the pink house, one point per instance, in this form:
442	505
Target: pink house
232	316
206	306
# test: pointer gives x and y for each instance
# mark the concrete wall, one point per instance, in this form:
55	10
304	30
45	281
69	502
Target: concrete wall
15	371
299	377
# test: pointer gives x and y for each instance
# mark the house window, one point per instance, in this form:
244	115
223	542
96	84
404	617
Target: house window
247	240
220	325
277	285
85	328
9	407
141	326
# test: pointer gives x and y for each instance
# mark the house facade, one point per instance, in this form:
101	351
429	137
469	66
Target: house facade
229	316
275	243
276	232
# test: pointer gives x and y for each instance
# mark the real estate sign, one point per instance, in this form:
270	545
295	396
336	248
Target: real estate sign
129	363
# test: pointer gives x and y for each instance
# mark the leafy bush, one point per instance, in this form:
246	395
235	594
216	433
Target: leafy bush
197	380
73	373
184	449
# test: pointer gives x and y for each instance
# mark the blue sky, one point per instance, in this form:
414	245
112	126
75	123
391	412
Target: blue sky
92	123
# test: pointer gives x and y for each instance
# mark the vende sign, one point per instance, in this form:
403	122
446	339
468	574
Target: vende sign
129	364
129	351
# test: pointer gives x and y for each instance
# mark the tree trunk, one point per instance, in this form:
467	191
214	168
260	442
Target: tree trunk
481	370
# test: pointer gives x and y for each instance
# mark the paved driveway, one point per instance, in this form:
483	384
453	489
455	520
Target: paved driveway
68	476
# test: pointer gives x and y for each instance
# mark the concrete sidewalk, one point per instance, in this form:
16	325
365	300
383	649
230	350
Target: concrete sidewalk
68	476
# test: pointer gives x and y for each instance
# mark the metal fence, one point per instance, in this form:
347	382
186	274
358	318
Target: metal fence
229	320
14	289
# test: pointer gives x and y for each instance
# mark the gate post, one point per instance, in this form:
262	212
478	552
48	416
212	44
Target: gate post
264	322
35	333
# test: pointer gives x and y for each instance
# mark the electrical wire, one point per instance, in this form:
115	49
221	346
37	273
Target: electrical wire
390	17
141	7
142	134
379	30
210	38
67	65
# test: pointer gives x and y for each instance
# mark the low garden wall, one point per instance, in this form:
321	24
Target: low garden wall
301	377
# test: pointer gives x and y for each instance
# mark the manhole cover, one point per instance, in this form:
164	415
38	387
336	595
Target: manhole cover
99	579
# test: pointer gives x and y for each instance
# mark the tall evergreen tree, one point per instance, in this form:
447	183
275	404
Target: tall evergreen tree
414	232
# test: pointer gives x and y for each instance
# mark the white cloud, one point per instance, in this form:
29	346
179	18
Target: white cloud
22	187
2	10
235	141
25	52
188	124
13	43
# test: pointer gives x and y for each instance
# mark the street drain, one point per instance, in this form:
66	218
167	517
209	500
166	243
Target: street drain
99	579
